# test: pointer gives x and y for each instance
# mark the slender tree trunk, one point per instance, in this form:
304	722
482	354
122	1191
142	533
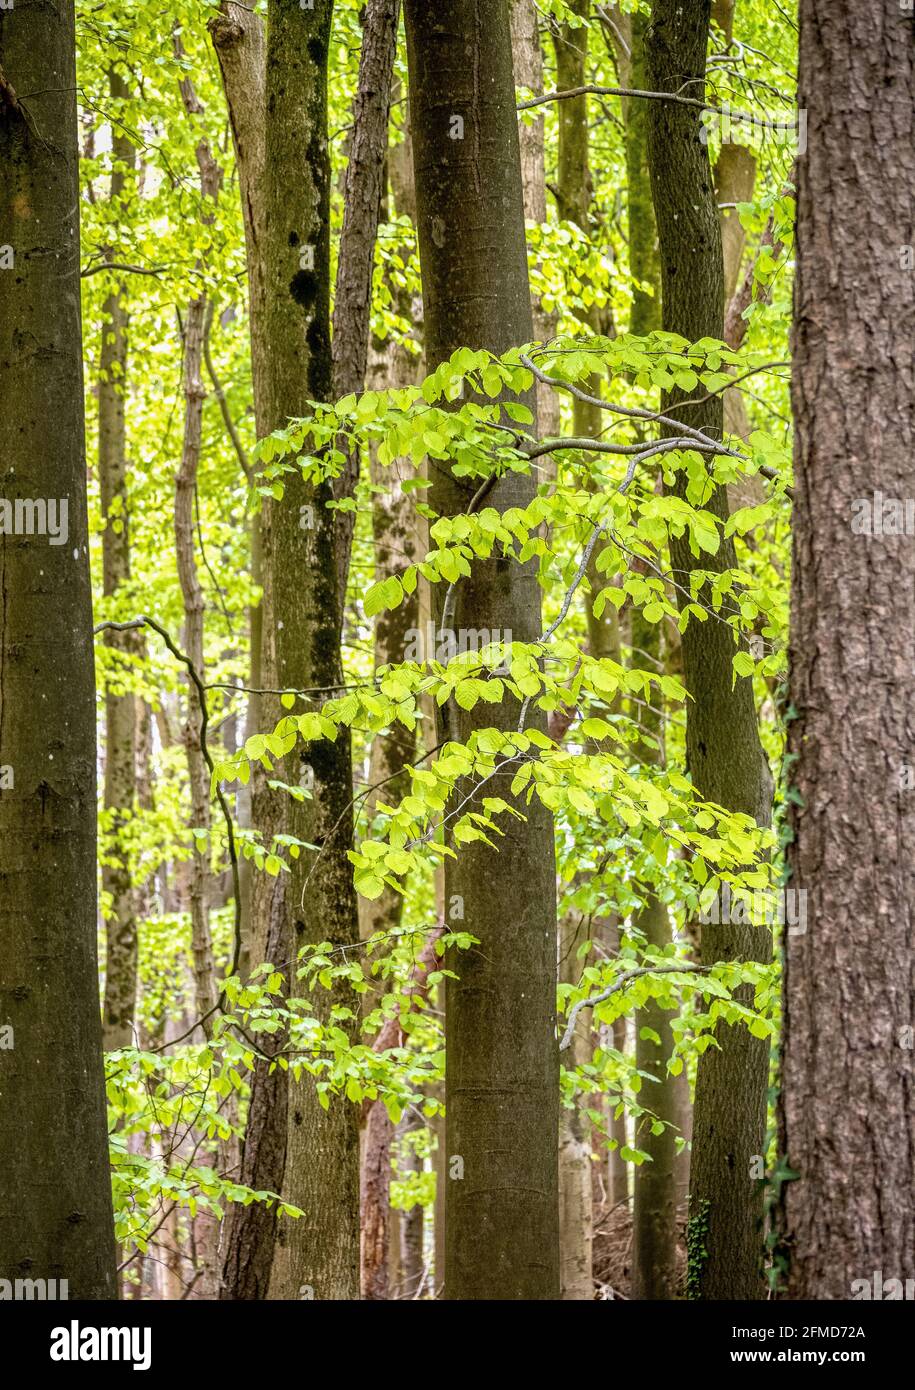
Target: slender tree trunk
654	1230
502	1058
412	1222
723	750
239	40
655	1182
379	1139
527	61
192	595
847	1123
53	1131
363	190
575	1187
302	609
120	707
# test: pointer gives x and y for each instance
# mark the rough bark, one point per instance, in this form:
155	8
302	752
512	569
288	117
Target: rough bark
723	750
120	708
502	1060
302	644
53	1132
847	1123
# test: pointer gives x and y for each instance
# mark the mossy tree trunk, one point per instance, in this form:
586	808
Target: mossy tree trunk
319	1251
724	754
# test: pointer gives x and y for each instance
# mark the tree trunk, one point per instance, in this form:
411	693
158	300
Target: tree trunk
379	1139
239	40
412	1222
192	595
655	1182
120	707
527	62
654	1232
53	1131
502	1057
319	1251
363	190
723	750
846	1115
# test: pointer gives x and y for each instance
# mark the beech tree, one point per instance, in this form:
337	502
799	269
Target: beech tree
450	517
501	1084
56	1222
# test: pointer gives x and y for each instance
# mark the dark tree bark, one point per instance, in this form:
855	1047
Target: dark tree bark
847	1123
654	1231
53	1131
502	1060
302	644
724	754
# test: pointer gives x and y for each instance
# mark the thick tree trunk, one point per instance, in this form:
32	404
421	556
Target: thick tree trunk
53	1131
502	1059
723	750
847	1123
120	707
320	1251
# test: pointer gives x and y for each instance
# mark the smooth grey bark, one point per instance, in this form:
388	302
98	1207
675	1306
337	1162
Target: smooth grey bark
723	750
56	1217
846	1121
501	1233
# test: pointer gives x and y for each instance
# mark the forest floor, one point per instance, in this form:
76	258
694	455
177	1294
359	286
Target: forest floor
612	1251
